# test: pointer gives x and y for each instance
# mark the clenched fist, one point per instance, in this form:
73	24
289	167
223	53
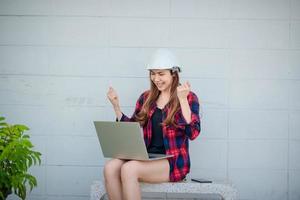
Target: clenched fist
183	90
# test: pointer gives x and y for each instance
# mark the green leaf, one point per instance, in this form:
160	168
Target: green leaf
21	127
29	161
3	124
35	159
26	143
26	136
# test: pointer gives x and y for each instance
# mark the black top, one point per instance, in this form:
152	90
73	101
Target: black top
157	143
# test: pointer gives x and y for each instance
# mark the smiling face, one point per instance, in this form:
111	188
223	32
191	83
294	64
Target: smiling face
162	79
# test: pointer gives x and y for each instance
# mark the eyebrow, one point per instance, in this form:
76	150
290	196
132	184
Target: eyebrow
159	72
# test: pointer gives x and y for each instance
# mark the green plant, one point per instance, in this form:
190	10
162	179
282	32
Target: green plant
16	157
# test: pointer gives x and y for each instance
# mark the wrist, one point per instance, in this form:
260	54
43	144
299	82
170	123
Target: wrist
116	107
118	113
182	99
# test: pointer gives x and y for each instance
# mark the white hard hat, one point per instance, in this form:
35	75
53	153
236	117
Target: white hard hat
164	59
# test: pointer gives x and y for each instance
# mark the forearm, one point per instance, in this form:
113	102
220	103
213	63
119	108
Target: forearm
185	109
118	112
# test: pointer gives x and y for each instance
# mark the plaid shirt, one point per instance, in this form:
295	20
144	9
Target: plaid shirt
175	138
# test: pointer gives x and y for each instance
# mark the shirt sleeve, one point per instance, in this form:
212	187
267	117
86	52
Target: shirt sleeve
193	128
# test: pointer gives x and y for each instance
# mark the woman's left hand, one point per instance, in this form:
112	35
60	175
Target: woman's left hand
183	90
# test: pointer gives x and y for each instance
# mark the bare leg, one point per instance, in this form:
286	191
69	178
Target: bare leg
112	176
147	171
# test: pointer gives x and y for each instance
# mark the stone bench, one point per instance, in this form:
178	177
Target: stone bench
213	191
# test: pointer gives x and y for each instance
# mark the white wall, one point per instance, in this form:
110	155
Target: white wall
242	57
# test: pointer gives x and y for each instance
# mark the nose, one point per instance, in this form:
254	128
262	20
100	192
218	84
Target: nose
156	78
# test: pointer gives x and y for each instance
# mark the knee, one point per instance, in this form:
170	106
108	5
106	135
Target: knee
129	171
111	169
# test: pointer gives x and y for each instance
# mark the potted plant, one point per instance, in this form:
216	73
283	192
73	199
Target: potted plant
16	157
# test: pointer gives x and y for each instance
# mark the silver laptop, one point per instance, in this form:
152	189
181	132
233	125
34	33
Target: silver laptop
124	140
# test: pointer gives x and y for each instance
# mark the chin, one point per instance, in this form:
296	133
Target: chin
162	89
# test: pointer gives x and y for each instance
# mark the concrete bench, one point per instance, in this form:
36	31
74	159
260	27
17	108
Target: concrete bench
213	191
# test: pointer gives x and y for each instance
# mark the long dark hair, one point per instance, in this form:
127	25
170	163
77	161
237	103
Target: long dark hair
173	104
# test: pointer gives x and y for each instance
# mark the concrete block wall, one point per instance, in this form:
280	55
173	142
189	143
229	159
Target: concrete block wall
242	57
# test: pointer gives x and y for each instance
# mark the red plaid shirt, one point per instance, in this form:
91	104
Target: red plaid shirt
175	138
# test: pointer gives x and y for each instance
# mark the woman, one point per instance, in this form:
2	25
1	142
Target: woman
169	115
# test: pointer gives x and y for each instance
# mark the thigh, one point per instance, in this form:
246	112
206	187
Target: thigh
152	171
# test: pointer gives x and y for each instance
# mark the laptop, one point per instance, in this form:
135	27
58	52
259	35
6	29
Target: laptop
124	140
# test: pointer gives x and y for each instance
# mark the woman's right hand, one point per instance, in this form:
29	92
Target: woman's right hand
113	97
